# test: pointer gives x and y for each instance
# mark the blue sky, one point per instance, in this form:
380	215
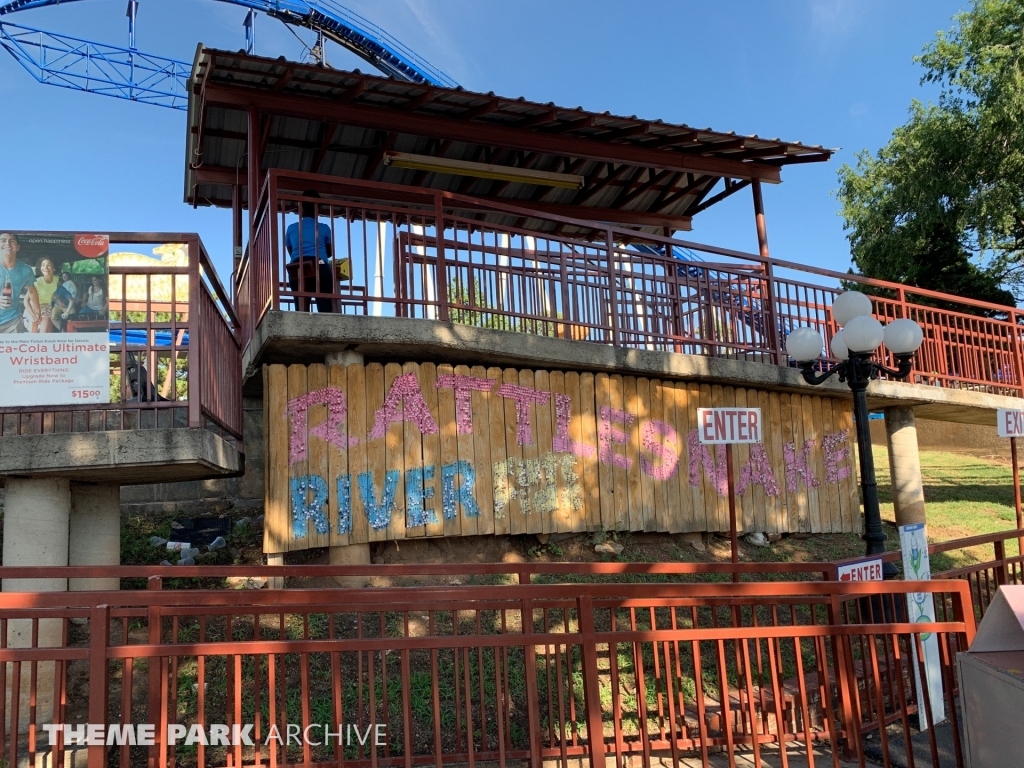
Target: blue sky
831	72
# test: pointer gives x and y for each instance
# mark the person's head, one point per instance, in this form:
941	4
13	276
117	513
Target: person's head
96	282
9	247
309	208
46	268
65	276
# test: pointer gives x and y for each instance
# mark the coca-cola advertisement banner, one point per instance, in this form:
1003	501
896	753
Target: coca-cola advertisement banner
54	318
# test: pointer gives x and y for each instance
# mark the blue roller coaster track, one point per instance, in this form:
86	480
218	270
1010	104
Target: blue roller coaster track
127	73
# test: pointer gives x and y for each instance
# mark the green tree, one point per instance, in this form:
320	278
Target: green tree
941	206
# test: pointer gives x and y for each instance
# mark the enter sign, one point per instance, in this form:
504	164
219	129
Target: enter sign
1010	423
729	425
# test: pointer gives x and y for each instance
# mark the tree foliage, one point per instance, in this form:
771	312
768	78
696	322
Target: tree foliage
941	206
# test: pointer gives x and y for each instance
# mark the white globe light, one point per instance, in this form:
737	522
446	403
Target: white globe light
850	305
903	337
838	346
863	334
803	344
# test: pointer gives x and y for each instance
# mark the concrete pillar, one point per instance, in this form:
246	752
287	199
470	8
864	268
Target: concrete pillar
904	465
344	357
36	517
275	558
353	554
95	532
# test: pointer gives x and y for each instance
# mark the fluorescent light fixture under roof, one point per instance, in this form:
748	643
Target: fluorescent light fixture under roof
482	170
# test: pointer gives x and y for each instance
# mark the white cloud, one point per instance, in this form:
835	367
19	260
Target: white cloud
833	20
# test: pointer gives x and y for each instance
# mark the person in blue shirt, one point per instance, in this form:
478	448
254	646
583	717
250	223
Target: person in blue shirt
309	243
18	297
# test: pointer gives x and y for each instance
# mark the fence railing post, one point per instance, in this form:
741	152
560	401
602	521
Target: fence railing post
1002	575
196	339
154	699
612	287
99	639
442	266
530	659
591	681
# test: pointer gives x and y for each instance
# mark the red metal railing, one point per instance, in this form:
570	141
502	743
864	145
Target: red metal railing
462	674
174	353
490	268
983	577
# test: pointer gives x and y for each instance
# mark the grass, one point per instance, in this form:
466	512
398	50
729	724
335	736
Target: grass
964	496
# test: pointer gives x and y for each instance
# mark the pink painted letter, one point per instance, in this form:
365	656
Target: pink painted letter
404	392
523	396
464	387
667	451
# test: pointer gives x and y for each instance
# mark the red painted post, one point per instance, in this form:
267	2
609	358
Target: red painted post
99	638
733	542
1002	576
612	289
442	267
762	248
591	681
196	341
530	657
154	703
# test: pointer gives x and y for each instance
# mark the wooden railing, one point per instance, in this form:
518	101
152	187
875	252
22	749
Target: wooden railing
175	358
492	266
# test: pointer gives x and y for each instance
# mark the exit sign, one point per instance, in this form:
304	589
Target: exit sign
729	425
1010	423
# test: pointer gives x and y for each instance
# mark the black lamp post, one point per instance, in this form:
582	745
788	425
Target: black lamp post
855	346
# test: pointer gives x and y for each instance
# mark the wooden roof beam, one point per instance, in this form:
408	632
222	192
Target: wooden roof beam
326	135
529	122
689	189
672	141
572	125
624	133
653	180
382	118
283	80
730	189
487	108
624	192
669	189
416	102
378	156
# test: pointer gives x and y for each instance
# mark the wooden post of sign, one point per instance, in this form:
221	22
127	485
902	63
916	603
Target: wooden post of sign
733	542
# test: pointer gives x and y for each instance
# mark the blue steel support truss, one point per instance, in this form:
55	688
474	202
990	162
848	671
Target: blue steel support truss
126	73
104	69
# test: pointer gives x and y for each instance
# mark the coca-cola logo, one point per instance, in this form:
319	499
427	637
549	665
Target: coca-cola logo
92	246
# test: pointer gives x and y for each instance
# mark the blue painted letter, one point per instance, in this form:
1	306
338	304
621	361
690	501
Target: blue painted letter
344	503
304	508
464	495
379	514
415	493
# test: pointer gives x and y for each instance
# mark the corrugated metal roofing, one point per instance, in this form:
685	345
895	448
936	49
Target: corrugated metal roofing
675	174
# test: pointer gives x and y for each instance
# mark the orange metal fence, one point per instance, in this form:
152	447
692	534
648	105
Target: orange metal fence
174	353
983	577
489	268
459	674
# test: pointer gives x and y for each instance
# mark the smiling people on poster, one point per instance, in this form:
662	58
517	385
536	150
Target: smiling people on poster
18	294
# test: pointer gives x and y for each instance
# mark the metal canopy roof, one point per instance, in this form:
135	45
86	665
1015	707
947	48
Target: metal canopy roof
641	173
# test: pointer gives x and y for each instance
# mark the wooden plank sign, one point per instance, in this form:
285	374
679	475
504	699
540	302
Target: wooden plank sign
377	452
